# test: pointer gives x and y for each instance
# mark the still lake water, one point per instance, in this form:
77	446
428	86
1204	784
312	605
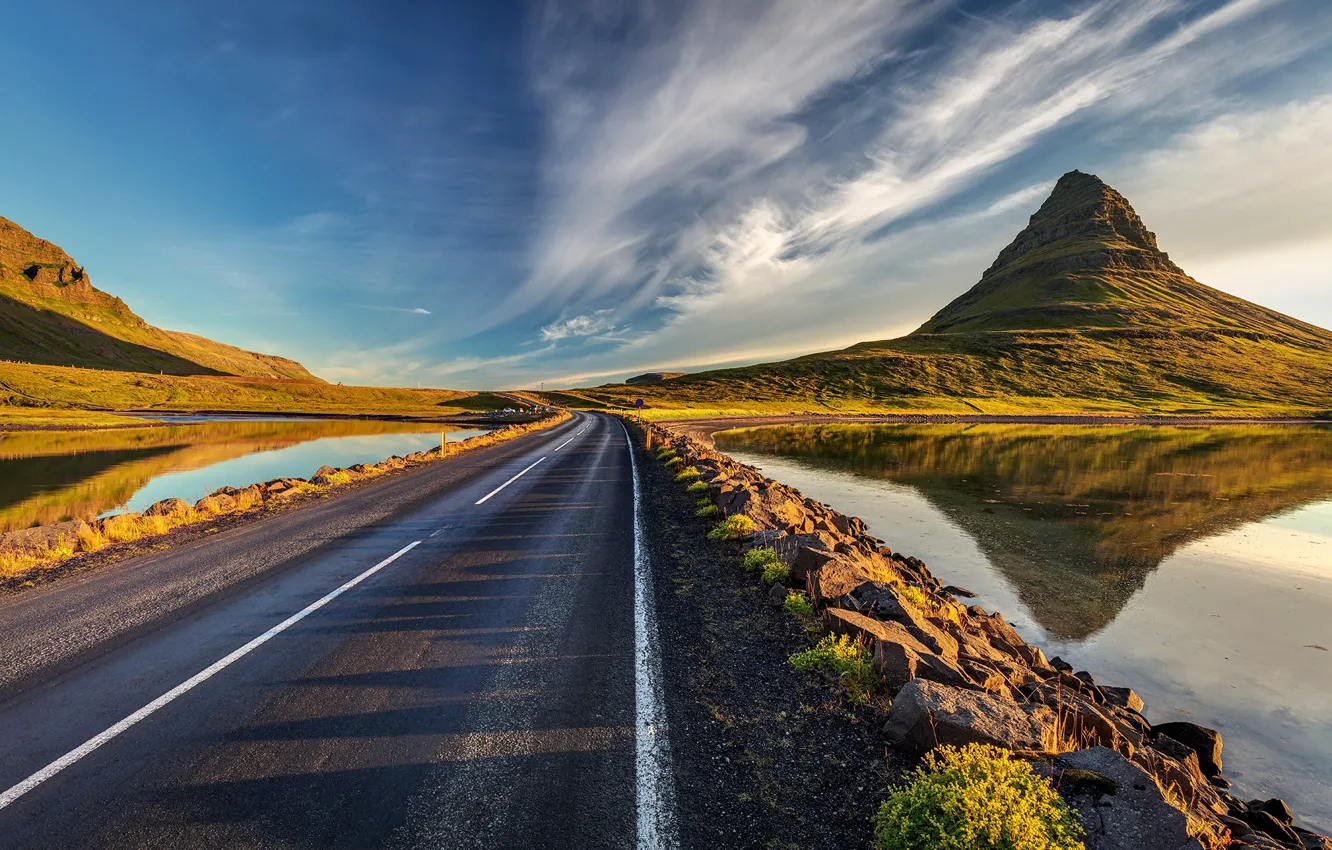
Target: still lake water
1193	564
50	476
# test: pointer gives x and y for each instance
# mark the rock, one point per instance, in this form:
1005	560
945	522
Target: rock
1205	742
810	552
1135	817
926	714
837	577
218	503
167	507
1312	840
958	591
324	471
1123	697
768	537
883	601
1061	665
36	541
777	594
1274	807
1263	822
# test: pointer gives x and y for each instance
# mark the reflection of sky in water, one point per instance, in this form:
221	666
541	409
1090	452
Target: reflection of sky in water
298	461
1220	633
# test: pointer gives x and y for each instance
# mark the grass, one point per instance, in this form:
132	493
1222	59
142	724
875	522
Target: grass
737	525
697	487
674	461
58	390
848	659
799	604
765	561
975	797
689	473
708	510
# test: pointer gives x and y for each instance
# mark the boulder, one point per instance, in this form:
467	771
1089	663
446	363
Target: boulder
1124	698
926	714
1205	742
167	507
1135	817
836	578
324	471
882	600
218	503
1261	821
777	594
36	541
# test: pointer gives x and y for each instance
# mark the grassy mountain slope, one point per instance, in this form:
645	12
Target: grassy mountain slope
1080	313
51	314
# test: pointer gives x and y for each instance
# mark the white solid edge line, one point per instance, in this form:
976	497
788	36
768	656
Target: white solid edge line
655	789
507	483
199	678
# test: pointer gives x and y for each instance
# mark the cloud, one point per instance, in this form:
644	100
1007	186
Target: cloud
780	177
592	324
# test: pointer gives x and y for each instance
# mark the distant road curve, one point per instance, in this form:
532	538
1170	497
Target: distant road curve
455	657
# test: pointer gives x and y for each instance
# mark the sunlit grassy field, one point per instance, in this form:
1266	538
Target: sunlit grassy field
63	395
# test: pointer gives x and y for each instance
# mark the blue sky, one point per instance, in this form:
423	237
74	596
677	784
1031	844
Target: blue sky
502	193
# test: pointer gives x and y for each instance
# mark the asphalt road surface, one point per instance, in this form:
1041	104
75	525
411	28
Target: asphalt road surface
488	681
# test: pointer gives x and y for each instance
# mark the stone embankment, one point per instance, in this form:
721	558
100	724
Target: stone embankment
958	674
27	554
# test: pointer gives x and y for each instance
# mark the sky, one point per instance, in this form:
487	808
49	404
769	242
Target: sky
508	194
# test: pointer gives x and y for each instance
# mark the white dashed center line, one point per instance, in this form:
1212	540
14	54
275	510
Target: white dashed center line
507	483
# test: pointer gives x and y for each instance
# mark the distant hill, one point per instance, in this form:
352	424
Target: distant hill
50	314
1080	313
651	377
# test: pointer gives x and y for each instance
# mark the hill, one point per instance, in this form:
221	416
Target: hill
51	314
1082	312
650	377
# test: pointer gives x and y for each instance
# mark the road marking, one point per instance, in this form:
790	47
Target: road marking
567	442
656	793
507	483
189	684
436	532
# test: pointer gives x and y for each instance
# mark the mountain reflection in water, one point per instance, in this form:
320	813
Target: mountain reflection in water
1074	517
50	476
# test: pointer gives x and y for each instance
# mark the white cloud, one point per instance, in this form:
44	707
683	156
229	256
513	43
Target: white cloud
591	324
781	247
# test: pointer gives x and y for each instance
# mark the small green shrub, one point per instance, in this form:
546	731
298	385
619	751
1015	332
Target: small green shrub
697	487
675	461
758	558
666	453
975	797
777	572
708	510
798	603
689	473
849	659
703	502
736	525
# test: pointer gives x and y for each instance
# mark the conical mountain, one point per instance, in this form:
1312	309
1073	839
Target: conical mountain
1086	260
1081	313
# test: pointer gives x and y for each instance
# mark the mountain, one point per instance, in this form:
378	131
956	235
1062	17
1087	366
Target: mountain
51	314
1081	313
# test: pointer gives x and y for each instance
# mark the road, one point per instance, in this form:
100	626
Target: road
488	682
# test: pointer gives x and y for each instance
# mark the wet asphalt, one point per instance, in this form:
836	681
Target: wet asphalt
476	692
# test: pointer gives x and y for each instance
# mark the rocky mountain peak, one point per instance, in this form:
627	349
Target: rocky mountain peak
1092	218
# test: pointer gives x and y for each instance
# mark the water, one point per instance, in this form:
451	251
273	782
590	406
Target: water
1193	564
51	476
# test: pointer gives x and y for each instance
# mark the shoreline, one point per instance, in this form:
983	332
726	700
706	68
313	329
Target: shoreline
934	653
479	419
53	552
702	429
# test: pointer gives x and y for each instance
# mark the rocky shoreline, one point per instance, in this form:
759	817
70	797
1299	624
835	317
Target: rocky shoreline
957	674
37	555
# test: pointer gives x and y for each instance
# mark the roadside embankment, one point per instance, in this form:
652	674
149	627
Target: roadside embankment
935	674
37	555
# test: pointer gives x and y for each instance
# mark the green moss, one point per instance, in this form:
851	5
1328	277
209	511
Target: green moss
975	798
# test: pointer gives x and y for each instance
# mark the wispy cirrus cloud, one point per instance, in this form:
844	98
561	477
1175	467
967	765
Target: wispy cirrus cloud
589	324
740	172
